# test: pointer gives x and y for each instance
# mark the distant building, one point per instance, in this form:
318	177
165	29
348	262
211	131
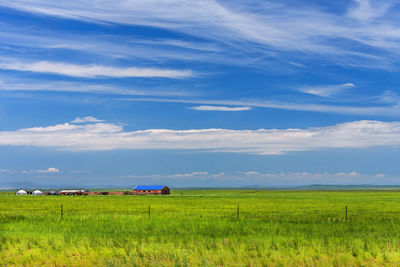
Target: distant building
37	192
151	190
21	192
74	192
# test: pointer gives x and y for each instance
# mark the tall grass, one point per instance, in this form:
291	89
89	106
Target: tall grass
200	228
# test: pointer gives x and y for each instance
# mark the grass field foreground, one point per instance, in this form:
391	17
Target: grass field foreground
203	228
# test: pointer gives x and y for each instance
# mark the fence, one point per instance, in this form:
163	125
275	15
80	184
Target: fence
114	193
232	207
232	212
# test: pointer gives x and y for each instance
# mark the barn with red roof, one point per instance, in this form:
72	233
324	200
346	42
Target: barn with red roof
151	190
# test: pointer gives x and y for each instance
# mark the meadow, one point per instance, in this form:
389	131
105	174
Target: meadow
203	228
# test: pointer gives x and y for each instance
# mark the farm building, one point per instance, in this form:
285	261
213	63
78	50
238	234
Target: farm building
74	192
21	192
37	192
151	190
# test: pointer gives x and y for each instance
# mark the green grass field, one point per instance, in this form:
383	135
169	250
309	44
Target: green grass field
201	228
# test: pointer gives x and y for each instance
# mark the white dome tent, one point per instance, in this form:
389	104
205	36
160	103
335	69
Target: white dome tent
37	192
21	192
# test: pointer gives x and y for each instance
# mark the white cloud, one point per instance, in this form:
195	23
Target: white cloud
218	174
347	174
365	10
121	47
326	90
220	108
8	83
383	105
110	136
86	119
390	97
253	28
192	174
93	71
386	104
176	175
325	108
49	170
249	173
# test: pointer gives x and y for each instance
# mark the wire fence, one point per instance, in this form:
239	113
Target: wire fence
231	212
282	208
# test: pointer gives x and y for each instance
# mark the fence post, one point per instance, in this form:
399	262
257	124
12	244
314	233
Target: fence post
149	212
346	213
61	211
238	212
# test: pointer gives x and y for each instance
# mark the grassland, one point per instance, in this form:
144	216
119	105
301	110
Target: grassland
201	228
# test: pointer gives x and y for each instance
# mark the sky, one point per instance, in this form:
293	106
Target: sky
199	93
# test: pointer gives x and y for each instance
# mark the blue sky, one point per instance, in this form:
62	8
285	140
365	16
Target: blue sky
205	93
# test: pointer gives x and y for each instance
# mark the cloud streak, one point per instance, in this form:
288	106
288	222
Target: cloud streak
110	136
14	84
176	175
86	119
367	10
382	110
263	28
93	71
220	108
49	170
326	90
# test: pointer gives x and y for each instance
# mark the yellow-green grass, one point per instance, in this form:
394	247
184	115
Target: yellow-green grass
202	228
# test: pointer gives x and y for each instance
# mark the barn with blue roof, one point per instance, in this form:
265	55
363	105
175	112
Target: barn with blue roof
151	190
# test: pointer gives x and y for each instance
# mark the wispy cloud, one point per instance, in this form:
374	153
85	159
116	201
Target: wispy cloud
220	108
254	28
92	71
381	110
390	97
175	175
385	104
326	90
154	50
110	136
17	83
366	10
49	170
86	119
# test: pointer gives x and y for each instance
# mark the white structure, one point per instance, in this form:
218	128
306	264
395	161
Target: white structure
37	192
74	192
21	192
